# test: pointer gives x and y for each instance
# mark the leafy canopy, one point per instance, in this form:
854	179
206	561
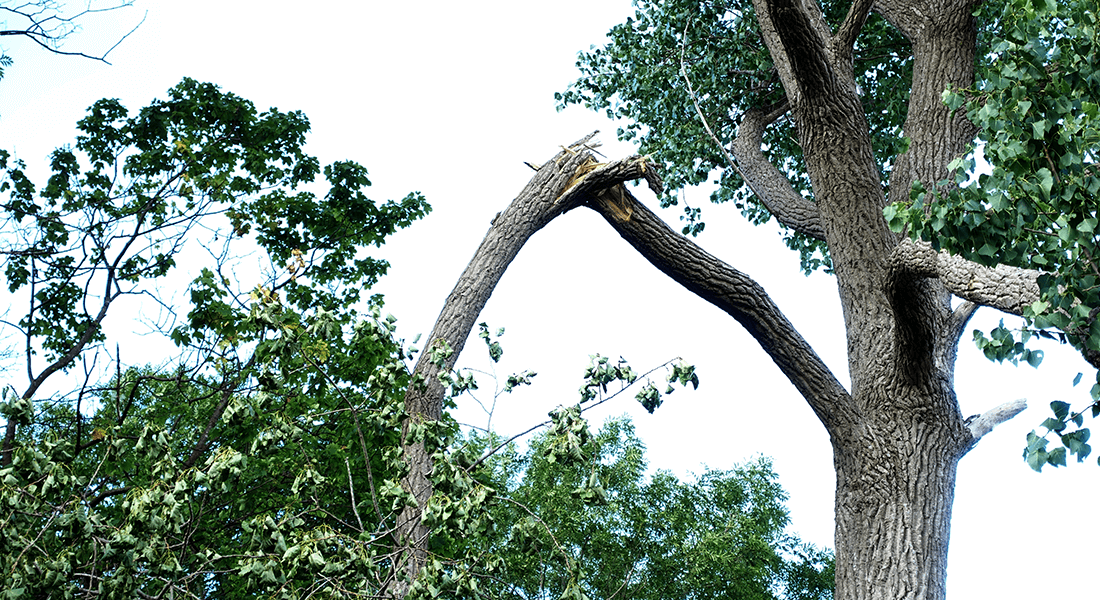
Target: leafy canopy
262	459
266	459
637	77
593	525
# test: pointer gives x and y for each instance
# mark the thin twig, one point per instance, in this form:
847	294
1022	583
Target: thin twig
545	423
351	489
698	108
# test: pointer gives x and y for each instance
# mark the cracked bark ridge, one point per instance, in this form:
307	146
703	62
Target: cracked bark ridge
559	185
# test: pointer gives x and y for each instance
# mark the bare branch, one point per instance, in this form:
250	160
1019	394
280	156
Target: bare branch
48	27
987	421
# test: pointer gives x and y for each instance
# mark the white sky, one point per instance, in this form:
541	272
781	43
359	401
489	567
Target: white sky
450	99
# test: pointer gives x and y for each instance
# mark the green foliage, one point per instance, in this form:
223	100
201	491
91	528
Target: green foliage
598	527
1036	107
636	76
266	460
121	206
1002	345
236	483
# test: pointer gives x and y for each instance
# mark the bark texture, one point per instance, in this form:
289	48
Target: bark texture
897	434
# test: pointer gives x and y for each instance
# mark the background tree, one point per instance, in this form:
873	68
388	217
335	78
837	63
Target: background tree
174	478
597	525
854	103
265	460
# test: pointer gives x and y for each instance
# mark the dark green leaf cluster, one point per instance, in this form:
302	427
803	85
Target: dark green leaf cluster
600	373
637	77
600	528
1073	442
1002	345
121	206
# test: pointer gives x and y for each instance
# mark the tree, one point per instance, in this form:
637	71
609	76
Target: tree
265	459
595	524
831	118
173	479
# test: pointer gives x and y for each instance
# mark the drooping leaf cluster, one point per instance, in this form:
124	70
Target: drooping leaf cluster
1037	107
636	76
229	482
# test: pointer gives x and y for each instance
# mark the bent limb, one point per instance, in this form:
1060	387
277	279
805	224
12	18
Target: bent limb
736	294
559	185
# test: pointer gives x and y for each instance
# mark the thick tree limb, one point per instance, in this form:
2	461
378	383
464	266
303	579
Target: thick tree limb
988	420
766	181
1005	288
737	295
800	34
849	29
944	48
559	185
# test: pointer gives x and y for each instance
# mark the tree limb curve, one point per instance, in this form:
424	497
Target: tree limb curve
1005	288
770	185
558	186
736	294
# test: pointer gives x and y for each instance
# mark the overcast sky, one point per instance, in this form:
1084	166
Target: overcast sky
450	99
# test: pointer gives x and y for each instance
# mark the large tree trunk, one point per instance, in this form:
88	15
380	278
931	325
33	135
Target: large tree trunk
897	435
895	487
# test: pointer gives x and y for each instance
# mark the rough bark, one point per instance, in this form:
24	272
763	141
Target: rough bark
896	465
737	295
